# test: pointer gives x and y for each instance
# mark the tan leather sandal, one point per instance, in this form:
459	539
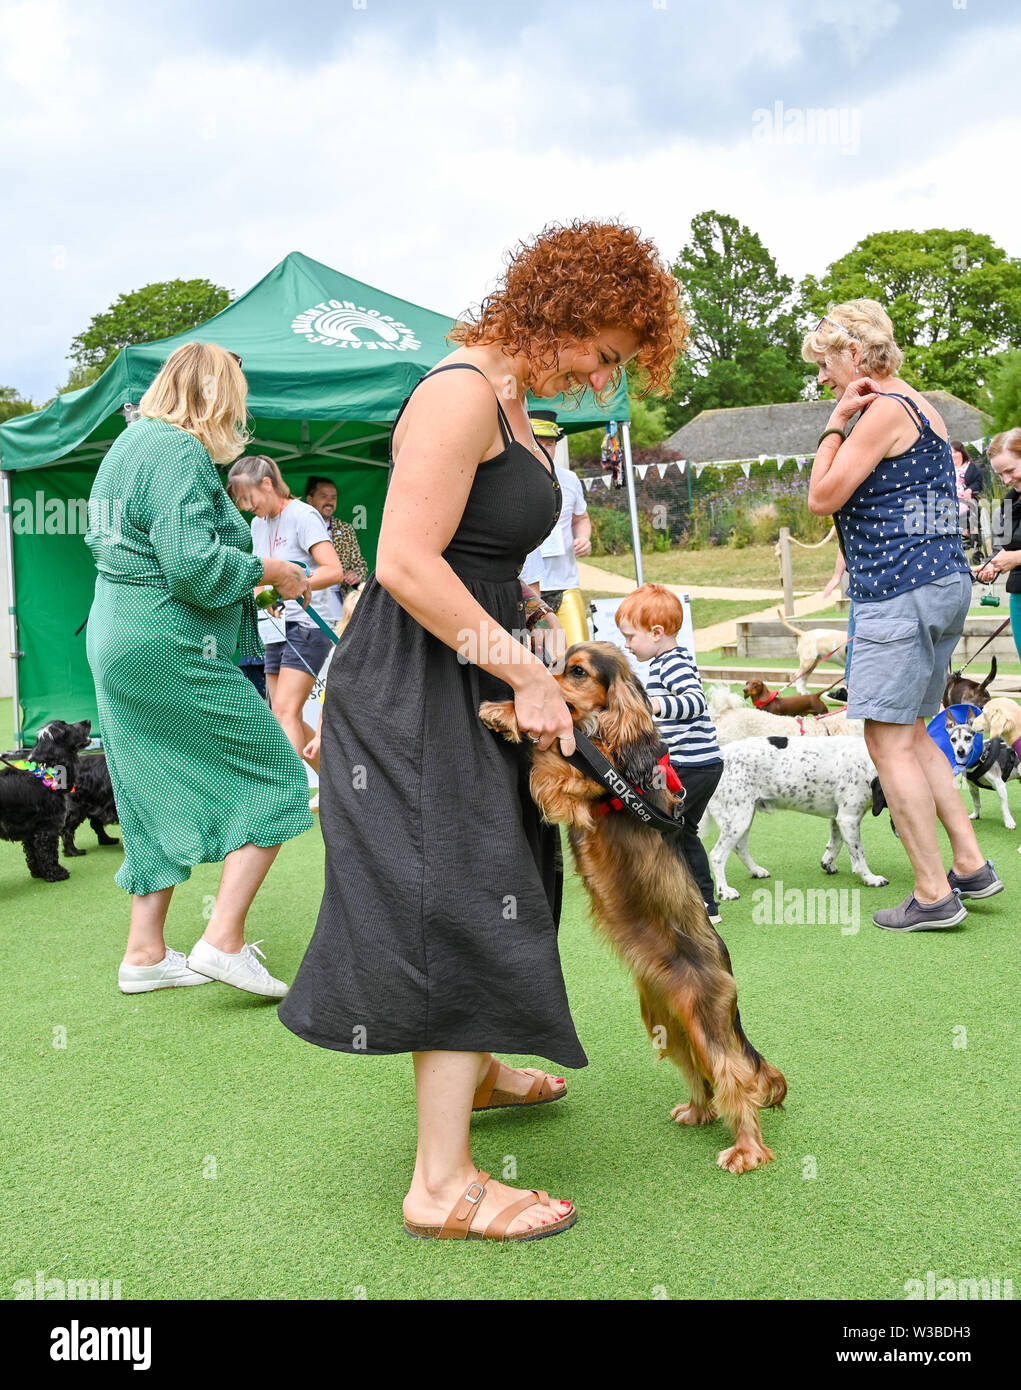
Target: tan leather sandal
456	1226
490	1097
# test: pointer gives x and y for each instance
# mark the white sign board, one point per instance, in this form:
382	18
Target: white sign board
605	629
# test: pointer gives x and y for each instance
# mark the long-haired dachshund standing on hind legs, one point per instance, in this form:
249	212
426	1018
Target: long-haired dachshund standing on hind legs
645	900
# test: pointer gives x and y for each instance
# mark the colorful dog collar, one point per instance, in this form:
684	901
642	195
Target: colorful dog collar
49	776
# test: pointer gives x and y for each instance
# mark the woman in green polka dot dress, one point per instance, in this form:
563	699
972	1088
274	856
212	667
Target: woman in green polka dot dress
202	772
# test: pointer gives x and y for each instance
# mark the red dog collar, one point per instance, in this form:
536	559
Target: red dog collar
766	699
614	803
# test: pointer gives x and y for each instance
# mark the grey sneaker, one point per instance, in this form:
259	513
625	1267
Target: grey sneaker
983	883
911	915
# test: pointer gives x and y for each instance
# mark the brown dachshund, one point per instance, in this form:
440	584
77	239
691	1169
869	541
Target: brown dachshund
645	900
790	704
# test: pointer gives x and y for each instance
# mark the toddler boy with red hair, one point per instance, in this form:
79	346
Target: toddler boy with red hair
649	620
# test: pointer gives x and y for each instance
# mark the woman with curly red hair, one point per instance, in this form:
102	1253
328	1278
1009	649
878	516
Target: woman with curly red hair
437	933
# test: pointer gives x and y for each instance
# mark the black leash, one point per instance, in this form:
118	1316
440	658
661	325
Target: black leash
1005	623
588	759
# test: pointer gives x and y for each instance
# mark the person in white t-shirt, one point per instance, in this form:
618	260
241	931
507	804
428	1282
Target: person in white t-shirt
553	566
285	528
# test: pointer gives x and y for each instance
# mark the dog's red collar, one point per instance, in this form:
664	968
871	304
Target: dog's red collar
614	803
766	699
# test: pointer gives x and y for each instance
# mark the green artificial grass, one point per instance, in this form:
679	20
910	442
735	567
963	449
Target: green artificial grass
894	1155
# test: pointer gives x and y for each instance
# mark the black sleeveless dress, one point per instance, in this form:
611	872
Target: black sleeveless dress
438	925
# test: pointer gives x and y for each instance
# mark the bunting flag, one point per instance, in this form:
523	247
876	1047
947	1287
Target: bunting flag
682	465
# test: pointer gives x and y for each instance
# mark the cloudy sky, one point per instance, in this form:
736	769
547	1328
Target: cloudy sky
410	143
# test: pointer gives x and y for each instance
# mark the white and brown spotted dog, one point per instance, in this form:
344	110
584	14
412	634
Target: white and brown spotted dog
831	778
733	719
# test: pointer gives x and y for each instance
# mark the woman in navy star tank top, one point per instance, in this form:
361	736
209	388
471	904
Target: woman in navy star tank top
890	487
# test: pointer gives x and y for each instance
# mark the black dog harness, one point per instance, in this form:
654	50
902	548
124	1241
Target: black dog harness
621	795
991	754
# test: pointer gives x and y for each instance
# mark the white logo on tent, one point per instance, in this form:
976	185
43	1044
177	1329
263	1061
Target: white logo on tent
340	323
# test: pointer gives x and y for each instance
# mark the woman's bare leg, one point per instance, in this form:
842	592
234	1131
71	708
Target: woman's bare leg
917	791
146	945
243	872
291	690
951	810
445	1083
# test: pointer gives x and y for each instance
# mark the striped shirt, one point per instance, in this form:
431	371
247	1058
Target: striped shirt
684	724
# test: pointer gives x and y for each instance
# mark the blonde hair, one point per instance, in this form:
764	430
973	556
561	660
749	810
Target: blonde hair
862	321
1007	442
251	471
201	389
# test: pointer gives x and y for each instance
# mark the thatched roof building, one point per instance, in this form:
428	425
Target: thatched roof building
748	431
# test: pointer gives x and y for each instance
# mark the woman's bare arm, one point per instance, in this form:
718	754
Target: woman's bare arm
450	427
841	466
329	570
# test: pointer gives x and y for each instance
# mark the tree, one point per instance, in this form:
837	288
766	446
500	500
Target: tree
13	403
79	377
1005	392
745	348
648	428
155	311
954	298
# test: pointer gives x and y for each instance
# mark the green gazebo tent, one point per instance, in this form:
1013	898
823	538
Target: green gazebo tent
328	361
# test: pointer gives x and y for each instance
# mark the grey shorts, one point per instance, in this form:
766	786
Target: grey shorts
902	648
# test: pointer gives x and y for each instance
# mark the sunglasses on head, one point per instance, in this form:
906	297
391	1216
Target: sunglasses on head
842	326
235	356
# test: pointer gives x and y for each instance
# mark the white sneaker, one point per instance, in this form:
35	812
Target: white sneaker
313	805
241	970
167	973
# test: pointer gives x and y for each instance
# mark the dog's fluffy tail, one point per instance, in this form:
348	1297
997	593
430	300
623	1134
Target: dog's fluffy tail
773	1083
